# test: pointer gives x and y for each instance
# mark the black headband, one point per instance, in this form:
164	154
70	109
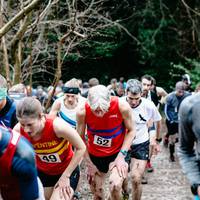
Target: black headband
71	90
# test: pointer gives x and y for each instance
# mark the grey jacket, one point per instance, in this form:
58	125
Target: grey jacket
189	137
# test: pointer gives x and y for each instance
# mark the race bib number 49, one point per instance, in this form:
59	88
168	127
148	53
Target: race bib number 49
102	141
50	158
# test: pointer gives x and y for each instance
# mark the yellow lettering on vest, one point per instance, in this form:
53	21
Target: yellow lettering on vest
45	144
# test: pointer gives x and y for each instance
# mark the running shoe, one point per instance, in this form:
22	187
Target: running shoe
165	141
172	159
144	180
125	196
149	167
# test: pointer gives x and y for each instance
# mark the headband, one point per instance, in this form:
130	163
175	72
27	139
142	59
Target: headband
71	90
3	93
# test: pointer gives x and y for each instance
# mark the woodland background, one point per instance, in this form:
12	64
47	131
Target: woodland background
43	41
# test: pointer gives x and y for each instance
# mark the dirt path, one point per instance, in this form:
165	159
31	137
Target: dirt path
167	182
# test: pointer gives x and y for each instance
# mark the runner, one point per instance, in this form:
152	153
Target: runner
173	102
18	173
189	140
67	105
154	130
7	106
110	132
51	139
145	112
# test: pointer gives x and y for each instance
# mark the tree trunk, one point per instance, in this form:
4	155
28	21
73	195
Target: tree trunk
18	17
17	66
4	47
57	76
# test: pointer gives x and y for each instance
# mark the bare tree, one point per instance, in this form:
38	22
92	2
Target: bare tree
4	46
52	32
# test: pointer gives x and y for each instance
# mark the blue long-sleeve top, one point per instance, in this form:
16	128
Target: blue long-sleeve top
172	106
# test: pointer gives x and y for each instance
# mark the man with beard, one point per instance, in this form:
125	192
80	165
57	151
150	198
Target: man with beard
154	129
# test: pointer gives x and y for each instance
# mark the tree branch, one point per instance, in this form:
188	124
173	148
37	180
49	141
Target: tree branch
18	17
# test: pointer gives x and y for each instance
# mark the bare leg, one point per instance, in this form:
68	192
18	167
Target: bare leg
172	141
125	185
57	196
48	192
115	184
137	171
96	186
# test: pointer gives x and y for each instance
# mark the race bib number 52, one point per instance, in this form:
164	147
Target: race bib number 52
102	141
50	158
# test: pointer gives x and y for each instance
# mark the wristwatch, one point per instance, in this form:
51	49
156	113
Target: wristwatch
124	152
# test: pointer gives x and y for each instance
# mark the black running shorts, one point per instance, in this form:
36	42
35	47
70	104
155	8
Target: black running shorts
50	180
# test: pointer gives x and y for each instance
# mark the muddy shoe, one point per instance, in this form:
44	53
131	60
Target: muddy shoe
125	196
149	167
172	159
76	196
165	141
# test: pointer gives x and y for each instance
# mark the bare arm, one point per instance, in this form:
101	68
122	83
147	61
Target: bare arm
80	118
55	108
91	169
122	166
62	129
126	112
81	126
161	92
158	129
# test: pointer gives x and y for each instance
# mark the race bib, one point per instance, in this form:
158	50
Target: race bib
50	158
102	141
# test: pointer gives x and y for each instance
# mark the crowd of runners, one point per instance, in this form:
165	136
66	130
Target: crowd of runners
114	129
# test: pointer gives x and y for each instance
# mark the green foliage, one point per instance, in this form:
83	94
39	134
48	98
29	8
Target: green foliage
72	57
193	72
102	49
52	37
102	44
123	37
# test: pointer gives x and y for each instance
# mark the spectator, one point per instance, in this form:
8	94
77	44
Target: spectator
113	87
85	88
17	92
92	82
